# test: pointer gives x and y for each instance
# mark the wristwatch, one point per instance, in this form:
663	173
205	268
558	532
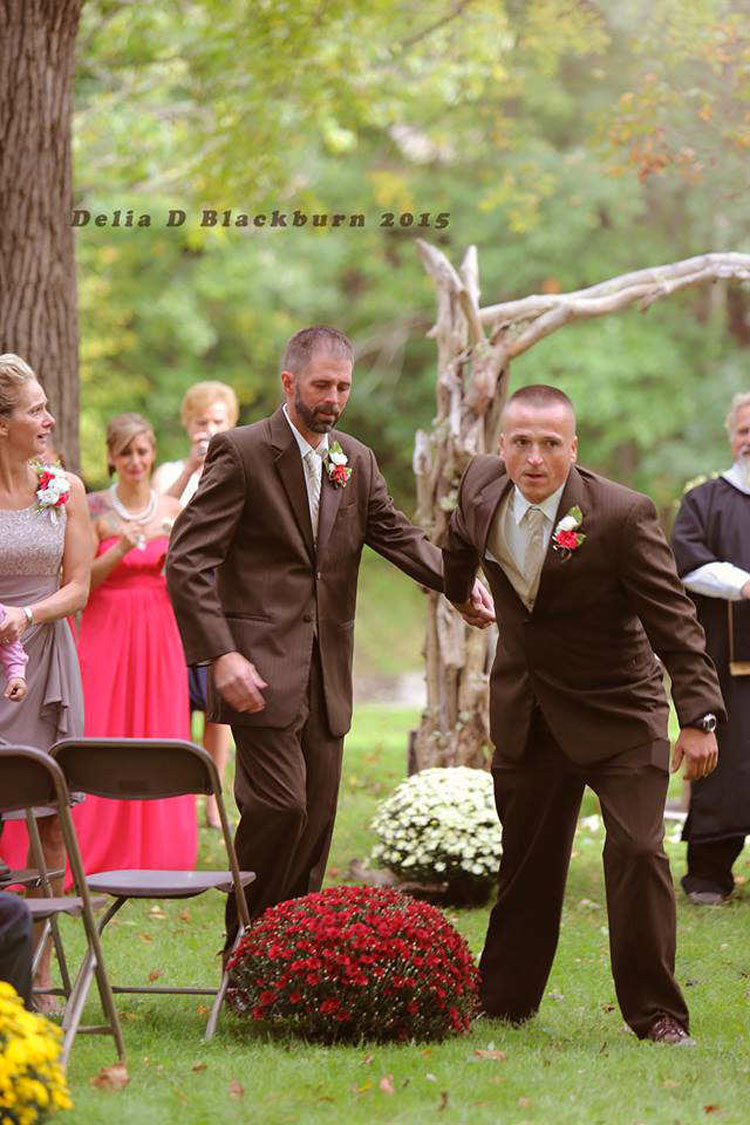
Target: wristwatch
707	723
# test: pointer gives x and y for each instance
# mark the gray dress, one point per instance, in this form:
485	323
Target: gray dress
31	548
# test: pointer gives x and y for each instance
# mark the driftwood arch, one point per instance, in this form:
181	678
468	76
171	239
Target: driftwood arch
475	347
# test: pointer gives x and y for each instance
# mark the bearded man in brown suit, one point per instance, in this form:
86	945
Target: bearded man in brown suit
262	573
586	592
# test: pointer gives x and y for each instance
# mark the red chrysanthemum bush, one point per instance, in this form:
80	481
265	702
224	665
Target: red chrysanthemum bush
354	963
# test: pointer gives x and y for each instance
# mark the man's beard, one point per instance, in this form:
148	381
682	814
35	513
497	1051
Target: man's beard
311	417
743	460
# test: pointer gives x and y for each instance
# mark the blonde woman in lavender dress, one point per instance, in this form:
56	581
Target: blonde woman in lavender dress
45	565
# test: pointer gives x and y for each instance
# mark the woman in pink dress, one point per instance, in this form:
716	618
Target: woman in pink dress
132	662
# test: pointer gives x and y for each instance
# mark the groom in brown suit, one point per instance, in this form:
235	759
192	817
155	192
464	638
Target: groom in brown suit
586	593
262	573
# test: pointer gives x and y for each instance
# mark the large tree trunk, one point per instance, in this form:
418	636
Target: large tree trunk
38	307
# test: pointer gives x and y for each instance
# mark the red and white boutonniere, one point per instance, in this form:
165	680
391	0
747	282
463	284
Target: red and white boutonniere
566	538
53	489
337	466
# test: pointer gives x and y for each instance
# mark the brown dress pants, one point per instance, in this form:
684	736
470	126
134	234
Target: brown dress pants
286	787
538	800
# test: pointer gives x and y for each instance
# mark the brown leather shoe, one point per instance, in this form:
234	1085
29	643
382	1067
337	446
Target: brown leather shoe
665	1029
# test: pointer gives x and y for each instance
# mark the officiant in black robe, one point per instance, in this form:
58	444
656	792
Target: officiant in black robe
711	543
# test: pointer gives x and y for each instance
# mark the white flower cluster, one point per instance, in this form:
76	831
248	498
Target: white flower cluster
440	825
56	488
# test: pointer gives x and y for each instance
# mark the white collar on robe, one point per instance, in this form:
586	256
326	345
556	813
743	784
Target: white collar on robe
739	476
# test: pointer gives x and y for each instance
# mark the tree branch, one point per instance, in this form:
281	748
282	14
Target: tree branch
616	293
458	9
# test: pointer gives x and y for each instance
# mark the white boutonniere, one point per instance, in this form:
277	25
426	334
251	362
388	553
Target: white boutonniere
337	466
53	489
566	538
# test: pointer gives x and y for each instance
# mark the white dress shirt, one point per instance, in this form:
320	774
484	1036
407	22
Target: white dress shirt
510	538
722	579
515	530
312	467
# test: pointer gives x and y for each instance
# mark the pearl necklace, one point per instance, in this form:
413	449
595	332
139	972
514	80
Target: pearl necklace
123	512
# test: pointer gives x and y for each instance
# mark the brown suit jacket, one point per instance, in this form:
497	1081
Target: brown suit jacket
585	653
244	574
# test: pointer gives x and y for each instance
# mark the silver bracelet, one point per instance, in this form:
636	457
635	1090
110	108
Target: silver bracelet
29	614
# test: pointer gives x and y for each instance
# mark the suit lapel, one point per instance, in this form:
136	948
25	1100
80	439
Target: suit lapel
330	499
488	501
288	465
553	567
486	504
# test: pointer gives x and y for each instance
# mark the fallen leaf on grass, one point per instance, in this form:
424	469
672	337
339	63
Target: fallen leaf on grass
236	1090
712	1109
145	937
443	1101
496	1056
197	1067
524	1103
156	912
363	1089
202	1010
670	1084
608	1007
367	1060
386	1084
431	1077
111	1077
155	974
184	915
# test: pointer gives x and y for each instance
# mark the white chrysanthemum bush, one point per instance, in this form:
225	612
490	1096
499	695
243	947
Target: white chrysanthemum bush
441	826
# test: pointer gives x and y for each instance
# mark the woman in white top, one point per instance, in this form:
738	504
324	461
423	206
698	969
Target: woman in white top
208	408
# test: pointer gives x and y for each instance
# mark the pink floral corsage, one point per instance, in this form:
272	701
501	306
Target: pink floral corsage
53	489
566	538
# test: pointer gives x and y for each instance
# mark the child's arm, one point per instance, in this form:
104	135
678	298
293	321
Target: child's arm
12	656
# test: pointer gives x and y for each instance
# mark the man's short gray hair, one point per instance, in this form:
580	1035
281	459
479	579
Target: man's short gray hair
308	342
740	400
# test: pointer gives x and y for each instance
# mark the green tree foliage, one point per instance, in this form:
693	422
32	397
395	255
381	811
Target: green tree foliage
505	116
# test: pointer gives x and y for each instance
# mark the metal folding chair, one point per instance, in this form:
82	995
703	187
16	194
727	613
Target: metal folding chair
30	778
152	769
38	878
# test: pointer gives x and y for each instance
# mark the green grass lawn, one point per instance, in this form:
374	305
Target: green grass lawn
573	1063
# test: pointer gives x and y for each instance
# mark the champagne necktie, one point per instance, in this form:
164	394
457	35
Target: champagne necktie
534	556
313	473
